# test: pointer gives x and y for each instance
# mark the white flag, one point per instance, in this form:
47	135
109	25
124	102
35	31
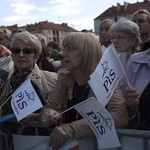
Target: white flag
106	76
25	100
103	49
100	122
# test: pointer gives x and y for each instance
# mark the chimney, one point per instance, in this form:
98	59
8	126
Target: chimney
118	7
64	24
125	6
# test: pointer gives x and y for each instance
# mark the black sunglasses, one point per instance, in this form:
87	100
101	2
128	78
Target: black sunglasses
25	50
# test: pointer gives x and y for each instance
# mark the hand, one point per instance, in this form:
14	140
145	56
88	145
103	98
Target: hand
50	117
132	99
57	137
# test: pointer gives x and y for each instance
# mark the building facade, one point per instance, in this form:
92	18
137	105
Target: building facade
116	12
52	31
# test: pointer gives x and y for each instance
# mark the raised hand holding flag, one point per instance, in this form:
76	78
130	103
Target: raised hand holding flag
107	75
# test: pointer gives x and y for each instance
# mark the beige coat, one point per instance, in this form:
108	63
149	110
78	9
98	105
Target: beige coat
44	80
79	129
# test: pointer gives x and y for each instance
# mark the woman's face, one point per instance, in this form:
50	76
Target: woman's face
23	56
122	42
71	58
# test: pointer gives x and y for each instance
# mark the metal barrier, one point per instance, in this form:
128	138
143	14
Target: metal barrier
33	124
134	139
3	138
129	139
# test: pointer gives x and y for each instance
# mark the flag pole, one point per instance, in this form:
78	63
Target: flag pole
73	107
13	92
114	51
6	101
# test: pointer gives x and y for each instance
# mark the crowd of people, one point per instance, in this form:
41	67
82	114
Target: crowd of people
24	55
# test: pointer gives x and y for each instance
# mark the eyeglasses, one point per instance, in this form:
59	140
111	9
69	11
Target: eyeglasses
25	50
140	21
119	38
69	48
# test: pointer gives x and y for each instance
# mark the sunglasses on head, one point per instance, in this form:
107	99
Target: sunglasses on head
25	50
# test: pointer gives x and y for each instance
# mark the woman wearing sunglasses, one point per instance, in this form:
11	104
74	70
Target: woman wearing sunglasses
26	48
81	53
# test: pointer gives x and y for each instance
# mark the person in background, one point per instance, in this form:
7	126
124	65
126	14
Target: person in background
137	95
19	30
54	45
125	36
104	34
25	49
142	19
55	48
45	58
81	53
6	65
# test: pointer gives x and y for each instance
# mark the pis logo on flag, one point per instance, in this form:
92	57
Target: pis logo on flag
108	75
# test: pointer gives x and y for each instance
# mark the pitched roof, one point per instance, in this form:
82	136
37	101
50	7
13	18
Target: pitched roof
49	25
13	27
44	25
127	8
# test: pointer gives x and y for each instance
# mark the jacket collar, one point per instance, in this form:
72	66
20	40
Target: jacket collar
142	57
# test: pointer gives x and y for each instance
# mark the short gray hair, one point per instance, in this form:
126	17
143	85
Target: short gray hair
29	39
106	20
129	28
41	37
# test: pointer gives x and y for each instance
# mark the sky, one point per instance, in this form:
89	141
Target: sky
78	14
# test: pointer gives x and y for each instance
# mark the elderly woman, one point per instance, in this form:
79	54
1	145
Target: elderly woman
26	48
81	53
125	36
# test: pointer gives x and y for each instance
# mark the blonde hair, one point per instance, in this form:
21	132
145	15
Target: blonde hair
6	32
89	49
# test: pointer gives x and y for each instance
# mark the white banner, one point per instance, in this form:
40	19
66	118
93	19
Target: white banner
100	122
106	76
25	100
